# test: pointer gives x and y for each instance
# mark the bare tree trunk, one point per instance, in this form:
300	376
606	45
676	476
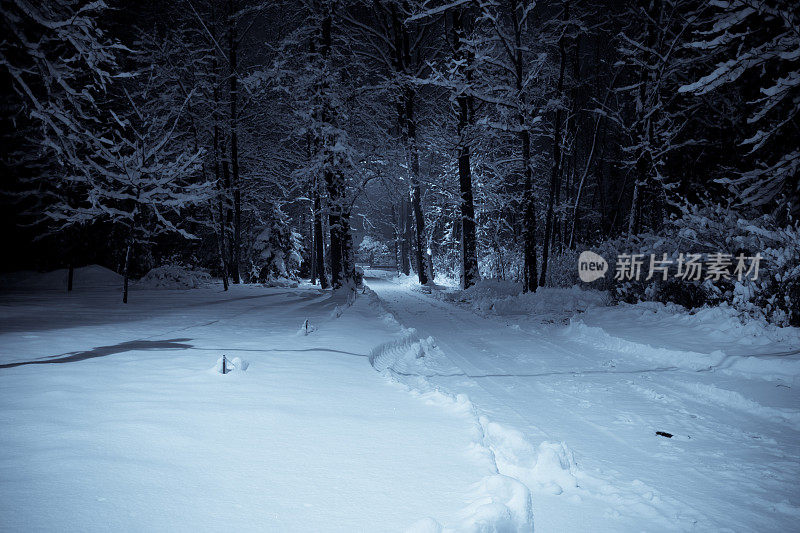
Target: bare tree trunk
529	273
404	242
634	209
312	253
409	235
429	261
218	177
576	205
396	220
416	202
548	231
237	193
403	67
348	253
652	11
342	257
126	268
469	252
221	250
220	241
529	268
555	245
227	222
336	234
318	235
468	237
220	231
319	245
341	253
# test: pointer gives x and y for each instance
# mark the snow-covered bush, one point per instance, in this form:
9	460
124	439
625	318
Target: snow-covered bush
447	266
500	260
276	251
774	296
175	276
374	252
561	269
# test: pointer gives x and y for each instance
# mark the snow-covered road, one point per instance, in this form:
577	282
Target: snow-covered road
572	412
112	418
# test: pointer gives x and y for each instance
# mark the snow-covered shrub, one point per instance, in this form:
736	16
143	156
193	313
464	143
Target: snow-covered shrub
776	293
561	269
175	276
688	295
374	252
774	296
447	266
498	260
276	251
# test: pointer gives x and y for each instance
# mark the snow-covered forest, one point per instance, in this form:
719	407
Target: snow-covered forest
457	265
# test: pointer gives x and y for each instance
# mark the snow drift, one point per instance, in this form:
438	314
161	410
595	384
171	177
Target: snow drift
175	277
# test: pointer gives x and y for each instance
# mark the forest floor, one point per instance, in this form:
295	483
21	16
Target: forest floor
479	417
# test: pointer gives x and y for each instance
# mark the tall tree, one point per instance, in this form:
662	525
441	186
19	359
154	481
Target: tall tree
463	58
555	175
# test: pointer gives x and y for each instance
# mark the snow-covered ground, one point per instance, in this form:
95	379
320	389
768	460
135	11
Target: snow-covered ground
478	410
570	404
115	417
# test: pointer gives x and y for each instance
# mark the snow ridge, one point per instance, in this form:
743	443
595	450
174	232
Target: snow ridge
598	337
500	501
768	366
